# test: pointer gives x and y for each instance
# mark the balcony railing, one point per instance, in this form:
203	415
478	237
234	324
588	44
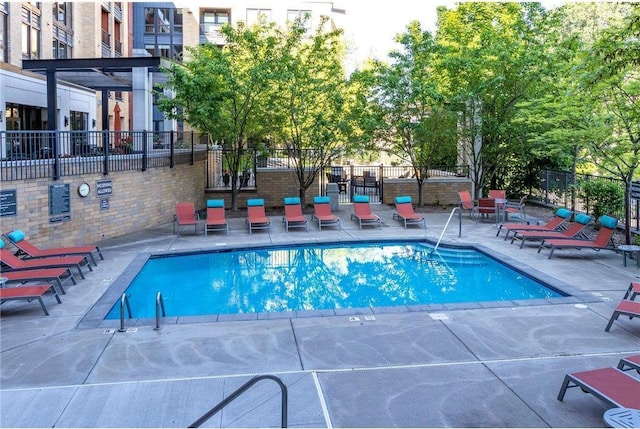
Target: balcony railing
54	154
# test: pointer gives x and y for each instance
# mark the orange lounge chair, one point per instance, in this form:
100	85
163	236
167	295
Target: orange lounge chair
467	203
405	213
624	308
216	220
18	264
362	212
573	231
322	213
608	384
497	194
29	293
256	217
555	224
16	238
293	217
608	226
185	216
630	362
57	276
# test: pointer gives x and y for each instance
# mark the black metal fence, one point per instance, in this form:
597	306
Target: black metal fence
55	154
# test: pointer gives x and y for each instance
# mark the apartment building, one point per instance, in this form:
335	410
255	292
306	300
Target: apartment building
57	30
65	30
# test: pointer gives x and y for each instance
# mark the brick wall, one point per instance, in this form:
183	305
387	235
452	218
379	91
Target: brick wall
435	191
140	200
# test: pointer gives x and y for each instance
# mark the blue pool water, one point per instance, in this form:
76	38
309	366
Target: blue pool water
323	277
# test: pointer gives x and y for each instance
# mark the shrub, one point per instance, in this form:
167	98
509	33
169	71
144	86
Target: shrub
603	197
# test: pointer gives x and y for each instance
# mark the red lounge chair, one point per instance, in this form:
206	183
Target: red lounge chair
18	264
29	293
573	231
293	217
322	213
185	216
608	384
405	213
362	212
624	308
601	242
632	291
216	220
555	224
16	238
256	217
632	362
466	203
56	275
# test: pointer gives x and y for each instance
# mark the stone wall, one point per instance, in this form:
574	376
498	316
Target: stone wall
140	200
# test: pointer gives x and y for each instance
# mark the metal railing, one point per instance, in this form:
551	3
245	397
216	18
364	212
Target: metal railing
54	154
283	389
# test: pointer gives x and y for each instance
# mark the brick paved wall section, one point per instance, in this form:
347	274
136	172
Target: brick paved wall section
435	191
140	200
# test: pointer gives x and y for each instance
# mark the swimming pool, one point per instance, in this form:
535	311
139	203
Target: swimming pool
324	277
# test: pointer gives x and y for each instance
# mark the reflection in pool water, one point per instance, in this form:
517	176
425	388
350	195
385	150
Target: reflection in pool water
324	277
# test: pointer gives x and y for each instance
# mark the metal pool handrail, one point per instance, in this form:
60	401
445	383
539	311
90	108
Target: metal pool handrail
239	391
159	306
124	300
447	225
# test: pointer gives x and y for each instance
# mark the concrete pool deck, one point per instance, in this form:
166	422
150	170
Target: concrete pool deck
457	367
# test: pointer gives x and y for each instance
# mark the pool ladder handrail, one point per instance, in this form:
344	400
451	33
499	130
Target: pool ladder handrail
124	301
447	225
159	306
239	391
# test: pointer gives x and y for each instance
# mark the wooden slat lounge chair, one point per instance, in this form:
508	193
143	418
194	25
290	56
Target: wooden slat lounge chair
256	217
362	212
17	264
323	214
57	276
629	362
608	226
608	384
29	293
216	220
293	217
573	231
405	212
29	250
624	308
556	224
185	216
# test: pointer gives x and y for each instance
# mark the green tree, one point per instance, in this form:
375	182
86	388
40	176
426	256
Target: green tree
489	62
412	118
309	98
220	91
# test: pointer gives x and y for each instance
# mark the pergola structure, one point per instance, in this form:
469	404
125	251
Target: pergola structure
126	74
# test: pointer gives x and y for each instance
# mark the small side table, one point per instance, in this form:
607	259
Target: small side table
629	249
622	418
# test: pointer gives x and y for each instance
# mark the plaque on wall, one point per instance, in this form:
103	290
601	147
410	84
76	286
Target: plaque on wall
8	202
104	203
59	203
104	188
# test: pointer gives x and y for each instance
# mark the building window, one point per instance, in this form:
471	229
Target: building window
62	13
149	20
177	21
304	16
213	20
3	33
30	32
61	50
255	15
